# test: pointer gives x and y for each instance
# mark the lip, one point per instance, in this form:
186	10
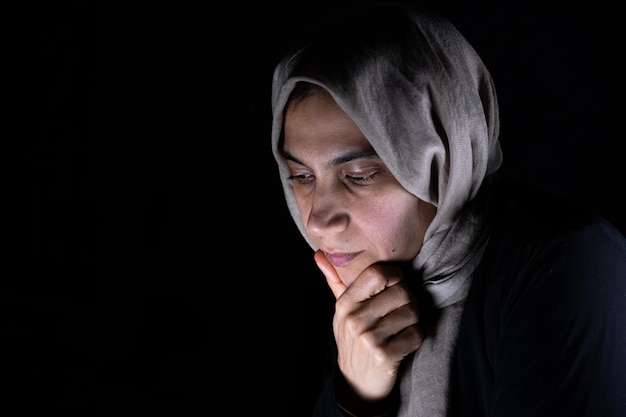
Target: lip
339	259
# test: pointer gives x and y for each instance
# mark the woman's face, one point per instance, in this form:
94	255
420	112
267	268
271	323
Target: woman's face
350	205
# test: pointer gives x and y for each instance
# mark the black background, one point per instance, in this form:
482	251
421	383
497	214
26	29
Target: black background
149	263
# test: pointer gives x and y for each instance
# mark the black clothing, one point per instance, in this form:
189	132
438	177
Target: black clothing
543	331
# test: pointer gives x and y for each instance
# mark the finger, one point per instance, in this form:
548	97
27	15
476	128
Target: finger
326	267
332	278
405	342
375	279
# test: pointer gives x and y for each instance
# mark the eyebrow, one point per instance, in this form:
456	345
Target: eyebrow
366	154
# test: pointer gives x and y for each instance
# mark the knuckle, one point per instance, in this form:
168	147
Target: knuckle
353	322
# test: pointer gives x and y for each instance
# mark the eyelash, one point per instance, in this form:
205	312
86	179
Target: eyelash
302	179
357	180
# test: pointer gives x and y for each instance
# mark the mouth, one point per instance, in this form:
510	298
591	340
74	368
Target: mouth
341	259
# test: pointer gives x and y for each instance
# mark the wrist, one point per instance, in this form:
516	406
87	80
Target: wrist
353	405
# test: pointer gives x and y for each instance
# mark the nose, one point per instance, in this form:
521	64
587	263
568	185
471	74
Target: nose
328	215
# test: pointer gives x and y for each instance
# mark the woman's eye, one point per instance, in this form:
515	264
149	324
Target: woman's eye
361	179
306	179
301	179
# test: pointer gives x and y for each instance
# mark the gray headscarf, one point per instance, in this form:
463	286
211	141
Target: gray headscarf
424	99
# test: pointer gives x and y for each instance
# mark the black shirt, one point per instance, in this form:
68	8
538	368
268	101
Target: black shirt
543	331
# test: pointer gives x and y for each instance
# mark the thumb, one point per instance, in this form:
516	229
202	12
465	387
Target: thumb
332	278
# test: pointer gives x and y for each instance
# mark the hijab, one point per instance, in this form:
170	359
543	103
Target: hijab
424	99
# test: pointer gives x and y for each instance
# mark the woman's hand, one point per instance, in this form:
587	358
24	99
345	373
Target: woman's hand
375	326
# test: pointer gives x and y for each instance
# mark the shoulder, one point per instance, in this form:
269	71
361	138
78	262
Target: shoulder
528	221
542	242
546	301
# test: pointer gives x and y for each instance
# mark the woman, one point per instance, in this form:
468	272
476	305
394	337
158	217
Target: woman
457	291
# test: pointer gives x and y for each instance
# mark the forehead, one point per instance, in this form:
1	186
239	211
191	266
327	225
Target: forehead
317	120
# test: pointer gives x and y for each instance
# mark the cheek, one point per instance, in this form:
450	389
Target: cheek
402	231
304	209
